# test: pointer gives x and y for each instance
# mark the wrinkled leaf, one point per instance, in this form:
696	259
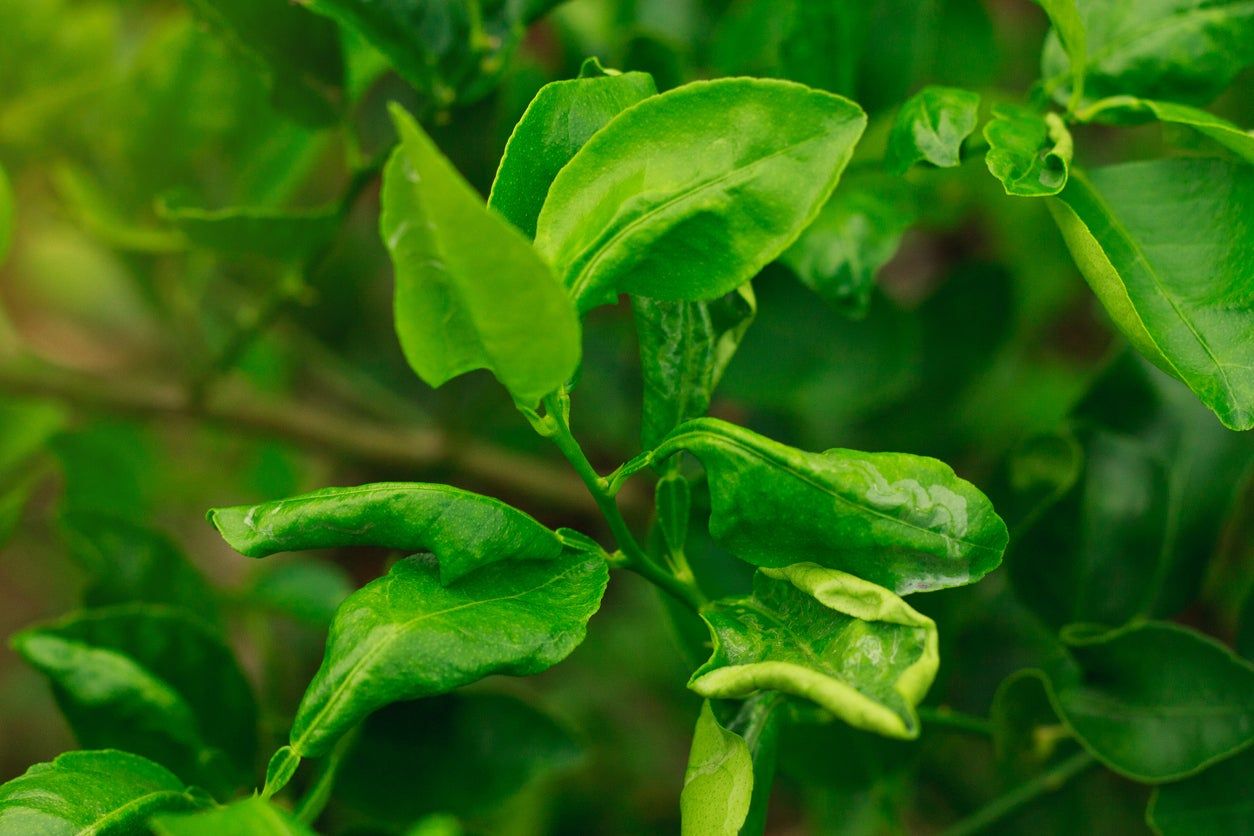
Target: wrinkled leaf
684	349
557	123
284	235
1215	802
856	233
1170	263
1029	153
246	817
151	680
905	522
852	647
931	126
1175	50
1130	110
464	530
689	194
471	293
405	636
104	792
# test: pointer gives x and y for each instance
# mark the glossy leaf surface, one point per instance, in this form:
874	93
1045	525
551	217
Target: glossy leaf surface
1170	264
464	530
905	522
560	119
153	681
249	230
1029	153
689	194
857	232
684	349
1215	802
1129	109
246	817
854	648
471	293
1175	50
405	636
931	126
103	792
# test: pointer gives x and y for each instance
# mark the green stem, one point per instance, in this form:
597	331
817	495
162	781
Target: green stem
1022	795
956	720
557	427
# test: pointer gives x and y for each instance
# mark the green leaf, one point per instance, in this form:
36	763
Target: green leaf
853	648
687	195
297	52
1213	803
684	349
6	215
1169	265
1029	153
460	753
154	681
307	590
131	563
470	291
1068	28
1176	50
1155	701
246	817
1119	110
405	636
285	235
560	119
464	530
930	127
105	792
901	521
856	233
730	769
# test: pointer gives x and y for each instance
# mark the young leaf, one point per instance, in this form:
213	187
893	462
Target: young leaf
470	291
1215	802
1170	265
1068	28
247	817
557	123
154	681
1177	50
856	233
687	195
901	521
1030	154
464	530
284	235
405	636
852	647
930	127
1120	110
1157	702
730	769
684	349
91	793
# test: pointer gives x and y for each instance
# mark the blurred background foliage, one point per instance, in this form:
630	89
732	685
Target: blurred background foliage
162	352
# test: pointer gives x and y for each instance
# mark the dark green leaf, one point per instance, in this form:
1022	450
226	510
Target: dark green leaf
405	636
1129	109
684	349
252	230
854	648
461	753
856	233
1213	803
689	194
297	52
246	817
105	792
1170	264
308	590
154	681
1176	50
557	123
1029	153
471	293
905	522
931	126
464	530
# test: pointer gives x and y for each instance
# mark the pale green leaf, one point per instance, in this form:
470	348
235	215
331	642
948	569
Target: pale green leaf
1068	28
1029	153
471	293
1129	109
464	530
689	194
286	235
6	215
930	127
246	817
718	783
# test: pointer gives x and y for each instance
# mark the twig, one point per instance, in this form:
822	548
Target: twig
1049	781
